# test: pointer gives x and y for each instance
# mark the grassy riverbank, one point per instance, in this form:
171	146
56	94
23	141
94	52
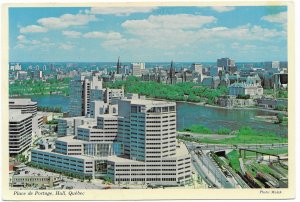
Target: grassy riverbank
199	129
244	135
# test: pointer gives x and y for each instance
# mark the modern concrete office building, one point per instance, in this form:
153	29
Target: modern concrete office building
24	104
19	111
84	90
197	68
137	68
20	131
137	145
227	63
80	94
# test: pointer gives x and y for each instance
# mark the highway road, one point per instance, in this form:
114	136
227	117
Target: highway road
208	169
210	172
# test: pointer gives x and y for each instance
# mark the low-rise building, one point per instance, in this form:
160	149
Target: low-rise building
242	89
25	178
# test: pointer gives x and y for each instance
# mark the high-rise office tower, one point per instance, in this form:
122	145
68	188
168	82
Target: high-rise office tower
197	68
228	64
172	78
119	66
20	131
137	68
80	94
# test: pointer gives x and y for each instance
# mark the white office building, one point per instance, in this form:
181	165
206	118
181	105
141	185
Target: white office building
20	131
84	90
197	68
24	104
137	68
137	145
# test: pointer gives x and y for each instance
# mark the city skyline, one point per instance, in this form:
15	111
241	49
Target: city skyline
151	34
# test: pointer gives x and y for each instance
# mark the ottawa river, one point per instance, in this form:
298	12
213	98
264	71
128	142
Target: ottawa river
191	114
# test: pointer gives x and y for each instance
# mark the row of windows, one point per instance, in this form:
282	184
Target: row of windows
74	145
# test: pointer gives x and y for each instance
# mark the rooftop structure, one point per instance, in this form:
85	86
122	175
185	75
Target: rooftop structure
24	104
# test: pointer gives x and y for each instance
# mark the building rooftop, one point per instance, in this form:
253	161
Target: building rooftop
118	159
35	173
21	101
70	118
51	151
150	102
70	139
16	115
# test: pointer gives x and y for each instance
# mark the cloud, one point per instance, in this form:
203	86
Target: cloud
71	34
103	35
191	32
66	46
276	18
19	46
21	38
66	20
222	9
30	44
179	21
32	29
120	11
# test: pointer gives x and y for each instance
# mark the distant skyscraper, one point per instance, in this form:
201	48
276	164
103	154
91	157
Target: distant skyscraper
137	68
227	63
21	75
44	68
118	66
197	68
80	94
215	71
172	77
283	64
18	67
272	65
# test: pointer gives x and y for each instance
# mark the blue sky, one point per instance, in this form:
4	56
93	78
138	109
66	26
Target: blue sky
149	34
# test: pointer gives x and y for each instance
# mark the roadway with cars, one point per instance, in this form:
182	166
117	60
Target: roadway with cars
208	169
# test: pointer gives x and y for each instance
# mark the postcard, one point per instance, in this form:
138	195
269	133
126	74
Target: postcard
148	101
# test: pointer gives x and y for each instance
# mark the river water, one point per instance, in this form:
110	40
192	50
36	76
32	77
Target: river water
191	114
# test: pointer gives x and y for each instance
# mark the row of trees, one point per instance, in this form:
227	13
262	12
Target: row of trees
49	109
187	91
60	171
39	87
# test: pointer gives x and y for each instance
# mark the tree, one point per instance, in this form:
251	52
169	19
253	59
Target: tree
280	117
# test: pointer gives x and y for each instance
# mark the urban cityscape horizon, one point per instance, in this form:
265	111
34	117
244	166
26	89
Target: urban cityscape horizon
148	125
